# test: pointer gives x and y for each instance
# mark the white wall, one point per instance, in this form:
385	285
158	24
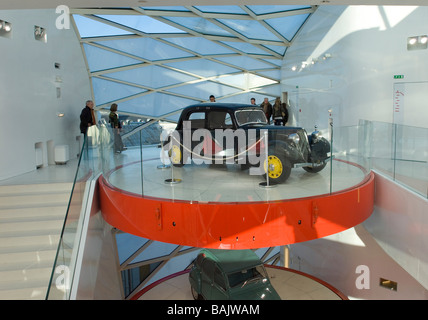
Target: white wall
28	96
391	244
368	46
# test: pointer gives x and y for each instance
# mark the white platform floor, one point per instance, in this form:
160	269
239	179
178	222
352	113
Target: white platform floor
221	183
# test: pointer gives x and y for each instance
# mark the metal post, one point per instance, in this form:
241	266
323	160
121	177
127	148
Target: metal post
163	165
266	184
172	180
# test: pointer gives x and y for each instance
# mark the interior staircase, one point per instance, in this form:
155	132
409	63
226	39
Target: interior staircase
31	220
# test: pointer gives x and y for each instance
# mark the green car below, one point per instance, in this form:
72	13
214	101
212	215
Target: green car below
230	275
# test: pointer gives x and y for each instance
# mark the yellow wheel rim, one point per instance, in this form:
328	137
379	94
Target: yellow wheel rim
175	154
275	167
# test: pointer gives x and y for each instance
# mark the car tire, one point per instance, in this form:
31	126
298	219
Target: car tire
176	156
317	167
279	167
195	294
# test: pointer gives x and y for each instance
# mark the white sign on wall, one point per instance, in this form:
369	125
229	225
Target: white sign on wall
398	108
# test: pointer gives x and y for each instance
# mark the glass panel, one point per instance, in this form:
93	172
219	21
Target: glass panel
201	91
277	62
166	8
245	62
90	28
129	244
288	26
272	9
242	278
251	116
132	278
106	91
202	67
411	157
146	48
155	250
400	152
152	76
200	25
247	81
275	74
382	147
278	49
245	47
219	278
142	23
200	45
65	262
271	90
100	59
250	29
351	164
245	97
221	9
155	104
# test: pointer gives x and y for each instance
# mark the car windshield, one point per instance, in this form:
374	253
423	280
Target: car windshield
246	116
246	276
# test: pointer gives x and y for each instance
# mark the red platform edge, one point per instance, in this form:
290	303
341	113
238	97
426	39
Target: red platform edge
236	225
140	293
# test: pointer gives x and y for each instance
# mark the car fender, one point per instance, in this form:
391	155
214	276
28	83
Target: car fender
289	151
320	149
195	280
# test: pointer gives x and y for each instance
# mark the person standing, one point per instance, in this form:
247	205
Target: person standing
267	109
87	117
253	101
285	118
116	126
278	112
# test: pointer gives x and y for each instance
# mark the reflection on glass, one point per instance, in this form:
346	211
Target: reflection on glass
250	116
395	150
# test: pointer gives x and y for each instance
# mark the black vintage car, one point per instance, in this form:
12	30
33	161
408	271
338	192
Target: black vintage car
217	133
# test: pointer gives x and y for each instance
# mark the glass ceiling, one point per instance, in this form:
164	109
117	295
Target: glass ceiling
154	61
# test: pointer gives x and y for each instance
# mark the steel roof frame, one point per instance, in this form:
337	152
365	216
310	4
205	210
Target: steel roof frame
93	13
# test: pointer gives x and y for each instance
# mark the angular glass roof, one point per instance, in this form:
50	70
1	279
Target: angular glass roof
154	61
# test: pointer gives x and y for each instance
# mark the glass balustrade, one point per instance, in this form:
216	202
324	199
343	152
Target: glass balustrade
145	169
66	260
401	152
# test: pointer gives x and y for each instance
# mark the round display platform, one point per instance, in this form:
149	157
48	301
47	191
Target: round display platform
223	183
289	284
222	206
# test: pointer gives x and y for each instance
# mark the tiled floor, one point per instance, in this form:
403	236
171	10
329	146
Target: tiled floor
288	284
49	174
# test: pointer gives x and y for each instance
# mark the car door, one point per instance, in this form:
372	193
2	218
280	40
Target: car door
222	143
219	288
198	136
207	278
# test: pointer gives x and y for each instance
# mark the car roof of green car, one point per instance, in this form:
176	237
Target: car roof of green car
233	260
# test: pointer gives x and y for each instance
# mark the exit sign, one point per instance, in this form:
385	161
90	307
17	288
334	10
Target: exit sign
399	76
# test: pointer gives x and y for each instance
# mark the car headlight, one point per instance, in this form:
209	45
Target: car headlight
295	138
316	135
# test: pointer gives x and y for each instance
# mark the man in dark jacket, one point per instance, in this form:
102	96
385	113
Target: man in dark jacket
87	117
267	108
